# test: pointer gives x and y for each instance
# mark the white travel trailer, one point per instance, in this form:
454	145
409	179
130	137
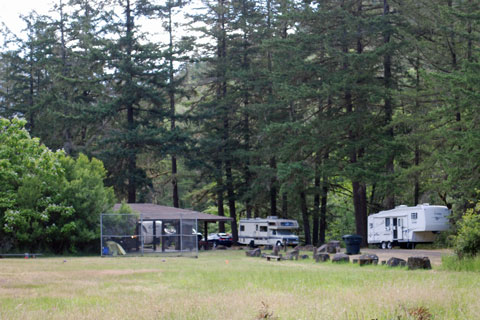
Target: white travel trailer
407	226
269	231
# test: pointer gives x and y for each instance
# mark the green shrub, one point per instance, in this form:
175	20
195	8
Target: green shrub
48	201
467	240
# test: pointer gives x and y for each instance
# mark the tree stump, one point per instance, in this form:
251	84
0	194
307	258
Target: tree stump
396	262
418	263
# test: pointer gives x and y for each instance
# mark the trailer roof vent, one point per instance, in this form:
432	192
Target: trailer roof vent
426	204
401	206
272	217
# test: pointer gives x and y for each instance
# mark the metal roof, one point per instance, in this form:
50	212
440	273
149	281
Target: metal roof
150	211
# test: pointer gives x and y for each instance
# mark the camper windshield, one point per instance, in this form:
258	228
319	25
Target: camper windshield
284	233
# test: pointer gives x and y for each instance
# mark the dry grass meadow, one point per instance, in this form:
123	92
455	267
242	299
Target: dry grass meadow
228	285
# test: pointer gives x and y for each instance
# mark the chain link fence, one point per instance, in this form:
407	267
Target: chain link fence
129	234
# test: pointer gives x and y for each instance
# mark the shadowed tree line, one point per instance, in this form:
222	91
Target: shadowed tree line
322	111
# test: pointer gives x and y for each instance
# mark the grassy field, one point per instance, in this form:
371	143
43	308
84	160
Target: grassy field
228	285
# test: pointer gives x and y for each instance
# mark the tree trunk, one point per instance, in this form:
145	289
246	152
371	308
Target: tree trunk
387	76
284	205
273	188
171	96
316	205
305	218
132	156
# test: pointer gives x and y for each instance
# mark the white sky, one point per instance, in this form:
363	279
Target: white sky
10	11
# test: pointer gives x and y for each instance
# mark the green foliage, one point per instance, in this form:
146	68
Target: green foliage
454	263
48	201
467	241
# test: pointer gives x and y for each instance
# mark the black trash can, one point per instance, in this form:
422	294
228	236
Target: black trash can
352	243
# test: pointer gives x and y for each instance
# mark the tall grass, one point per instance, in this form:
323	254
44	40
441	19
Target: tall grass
228	285
453	263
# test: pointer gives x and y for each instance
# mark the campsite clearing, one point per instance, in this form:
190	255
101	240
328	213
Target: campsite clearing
228	285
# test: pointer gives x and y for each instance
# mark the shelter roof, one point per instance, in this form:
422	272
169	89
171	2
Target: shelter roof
150	211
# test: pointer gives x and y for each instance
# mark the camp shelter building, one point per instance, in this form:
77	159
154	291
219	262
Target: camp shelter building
153	229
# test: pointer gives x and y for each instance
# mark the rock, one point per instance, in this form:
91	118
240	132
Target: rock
367	259
293	254
384	262
340	257
396	262
322	248
322	257
304	256
253	253
354	260
418	263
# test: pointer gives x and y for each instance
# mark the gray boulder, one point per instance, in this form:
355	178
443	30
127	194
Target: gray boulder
253	253
340	257
418	263
368	259
396	262
322	257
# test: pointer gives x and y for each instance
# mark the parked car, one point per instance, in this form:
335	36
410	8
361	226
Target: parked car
223	239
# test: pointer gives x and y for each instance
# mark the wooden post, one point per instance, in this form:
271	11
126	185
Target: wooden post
163	235
205	233
154	235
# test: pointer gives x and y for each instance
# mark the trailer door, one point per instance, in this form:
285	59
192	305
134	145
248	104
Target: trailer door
400	224
394	228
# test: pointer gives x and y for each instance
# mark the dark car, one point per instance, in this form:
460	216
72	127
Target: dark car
223	239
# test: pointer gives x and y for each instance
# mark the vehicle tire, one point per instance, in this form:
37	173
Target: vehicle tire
215	244
389	245
384	245
279	244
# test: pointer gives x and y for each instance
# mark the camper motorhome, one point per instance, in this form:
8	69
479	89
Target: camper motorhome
269	231
407	226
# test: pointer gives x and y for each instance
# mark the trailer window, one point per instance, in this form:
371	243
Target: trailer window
414	216
387	222
242	227
371	225
274	232
263	228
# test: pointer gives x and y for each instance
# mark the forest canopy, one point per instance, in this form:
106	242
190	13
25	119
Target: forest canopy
322	111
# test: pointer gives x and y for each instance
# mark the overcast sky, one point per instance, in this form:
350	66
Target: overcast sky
10	11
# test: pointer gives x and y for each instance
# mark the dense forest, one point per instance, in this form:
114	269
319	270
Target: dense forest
322	111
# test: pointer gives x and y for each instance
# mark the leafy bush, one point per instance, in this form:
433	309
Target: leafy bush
467	240
48	201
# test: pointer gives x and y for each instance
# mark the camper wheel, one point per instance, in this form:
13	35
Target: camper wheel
389	245
384	245
279	244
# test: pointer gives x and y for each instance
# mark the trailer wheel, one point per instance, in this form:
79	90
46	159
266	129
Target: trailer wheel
389	245
384	245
